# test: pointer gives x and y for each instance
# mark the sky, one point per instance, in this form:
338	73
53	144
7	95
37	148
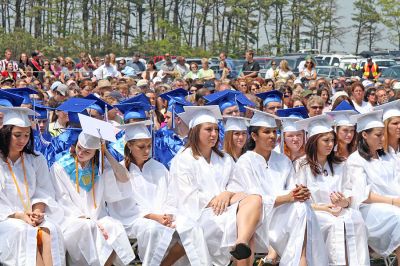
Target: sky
345	9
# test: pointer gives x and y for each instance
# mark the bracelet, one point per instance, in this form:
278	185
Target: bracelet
348	203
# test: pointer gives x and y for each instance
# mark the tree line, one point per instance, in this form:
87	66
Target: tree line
190	27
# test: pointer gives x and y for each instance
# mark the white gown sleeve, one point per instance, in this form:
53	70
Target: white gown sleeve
358	177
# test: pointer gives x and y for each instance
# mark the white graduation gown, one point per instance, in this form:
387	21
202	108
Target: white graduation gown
253	175
204	235
19	243
151	194
383	220
84	240
348	227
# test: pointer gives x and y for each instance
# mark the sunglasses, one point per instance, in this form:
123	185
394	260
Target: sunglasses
317	107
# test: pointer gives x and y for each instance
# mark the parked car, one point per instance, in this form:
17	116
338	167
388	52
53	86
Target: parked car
382	63
392	72
329	71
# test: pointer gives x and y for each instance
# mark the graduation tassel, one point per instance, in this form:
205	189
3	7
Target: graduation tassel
173	116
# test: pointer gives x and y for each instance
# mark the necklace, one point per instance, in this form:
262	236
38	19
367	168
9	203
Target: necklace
27	205
77	180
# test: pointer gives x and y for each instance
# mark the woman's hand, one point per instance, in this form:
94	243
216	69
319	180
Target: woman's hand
103	231
26	217
36	217
164	219
340	200
301	193
334	210
221	202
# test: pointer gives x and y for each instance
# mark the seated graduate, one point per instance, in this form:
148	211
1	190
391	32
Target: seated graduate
235	135
376	185
293	140
41	132
169	140
324	173
231	103
262	171
214	221
345	129
134	109
27	207
149	214
83	181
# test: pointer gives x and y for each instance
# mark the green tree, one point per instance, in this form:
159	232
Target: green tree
391	18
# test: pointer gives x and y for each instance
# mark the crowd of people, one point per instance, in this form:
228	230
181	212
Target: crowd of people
198	167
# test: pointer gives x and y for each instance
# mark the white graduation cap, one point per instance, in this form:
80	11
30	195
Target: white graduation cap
342	118
17	116
236	123
289	124
315	125
390	109
367	121
88	141
97	128
136	130
263	119
196	115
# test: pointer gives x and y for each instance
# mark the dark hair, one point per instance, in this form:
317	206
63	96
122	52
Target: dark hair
357	84
5	140
128	158
368	93
363	148
322	88
193	143
311	154
340	99
251	144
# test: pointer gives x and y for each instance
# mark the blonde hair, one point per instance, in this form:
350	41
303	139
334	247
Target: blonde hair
386	134
229	147
284	65
204	60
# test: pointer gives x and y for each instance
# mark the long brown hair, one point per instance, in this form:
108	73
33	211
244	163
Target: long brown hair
229	147
311	154
128	157
194	140
386	134
352	146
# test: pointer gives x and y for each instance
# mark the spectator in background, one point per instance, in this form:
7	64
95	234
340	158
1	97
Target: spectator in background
151	71
353	70
193	73
136	64
125	69
357	96
223	72
309	73
7	60
371	70
167	72
272	72
370	98
381	96
206	73
106	70
69	71
229	63
85	72
315	106
22	63
284	71
35	64
181	67
56	67
250	67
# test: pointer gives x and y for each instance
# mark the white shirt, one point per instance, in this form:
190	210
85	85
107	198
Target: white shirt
106	71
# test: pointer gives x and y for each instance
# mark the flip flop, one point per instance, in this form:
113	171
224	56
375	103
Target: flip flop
241	251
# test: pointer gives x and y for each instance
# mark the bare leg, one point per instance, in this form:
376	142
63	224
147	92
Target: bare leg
175	253
303	258
272	256
39	259
111	259
397	252
249	261
46	247
247	217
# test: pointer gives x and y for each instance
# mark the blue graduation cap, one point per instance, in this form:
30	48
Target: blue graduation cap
345	106
138	98
134	110
24	92
270	96
177	93
42	110
8	99
175	105
100	106
297	112
228	98
73	106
